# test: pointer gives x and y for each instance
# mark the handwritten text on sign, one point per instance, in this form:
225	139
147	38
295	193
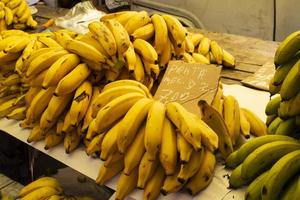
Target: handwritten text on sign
188	83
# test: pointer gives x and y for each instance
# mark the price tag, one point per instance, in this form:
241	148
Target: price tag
187	83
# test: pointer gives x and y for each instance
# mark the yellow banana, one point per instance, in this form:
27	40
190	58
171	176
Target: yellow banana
21	9
130	58
113	158
199	58
171	183
166	55
49	42
62	38
204	46
106	173
161	33
179	51
145	32
217	52
36	134
146	170
52	139
176	29
168	150
17	113
8	16
126	184
13	3
140	19
138	70
123	17
217	103
26	14
146	50
135	152
195	38
13	79
188	58
95	145
185	149
72	80
189	46
104	36
152	189
37	80
245	125
257	126
228	59
71	141
131	122
30	94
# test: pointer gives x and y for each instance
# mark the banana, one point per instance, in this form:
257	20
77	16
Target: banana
13	79
168	150
283	70
91	132
72	80
204	46
190	168
279	174
116	15
106	173
131	122
154	127
209	137
195	38
7	97
185	149
273	105
188	58
152	69
42	193
80	102
228	59
270	118
62	38
39	104
8	16
109	94
274	89
52	139
145	32
291	190
8	57
274	125
257	126
59	69
290	86
289	108
213	119
128	82
241	154
245	125
30	94
253	191
146	169
58	197
71	141
17	113
43	62
140	19
166	55
95	144
236	180
231	113
111	75
26	14
135	152
85	50
287	48
126	184
3	25
104	36
189	46
39	183
217	102
88	117
204	175
178	50
161	33
124	17
7	107
145	49
130	58
171	183
36	134
113	158
138	70
217	52
90	39
120	34
286	127
49	42
21	9
265	156
37	80
114	110
109	143
13	3
176	29
199	58
152	189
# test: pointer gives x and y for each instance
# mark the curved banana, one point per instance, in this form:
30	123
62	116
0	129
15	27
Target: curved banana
146	50
71	141
42	193
146	169
236	180
188	58
286	127
139	70
257	126
17	114
291	84
152	189
113	158
36	134
204	46
9	15
166	55
228	59
199	58
95	145
273	105
52	139
140	19
161	33
90	39
217	52
253	191
171	183
176	29
106	173
126	184
245	125
195	38
185	149
49	42
145	32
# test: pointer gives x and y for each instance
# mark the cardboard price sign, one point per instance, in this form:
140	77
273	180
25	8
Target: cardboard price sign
187	83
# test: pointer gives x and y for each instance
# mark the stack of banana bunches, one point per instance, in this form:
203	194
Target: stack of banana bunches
15	14
270	165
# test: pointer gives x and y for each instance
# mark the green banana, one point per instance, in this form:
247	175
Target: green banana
287	48
286	127
291	190
253	191
236	180
251	145
273	105
265	156
274	125
291	84
290	108
274	89
284	169
270	118
282	71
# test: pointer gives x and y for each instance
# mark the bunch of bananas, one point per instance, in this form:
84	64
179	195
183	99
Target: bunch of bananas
46	188
269	165
15	14
230	121
283	108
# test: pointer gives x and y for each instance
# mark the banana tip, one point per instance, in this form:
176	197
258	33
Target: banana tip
163	192
181	180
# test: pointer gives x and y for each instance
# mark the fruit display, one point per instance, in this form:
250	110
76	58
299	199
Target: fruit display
269	165
283	108
46	188
230	121
15	14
